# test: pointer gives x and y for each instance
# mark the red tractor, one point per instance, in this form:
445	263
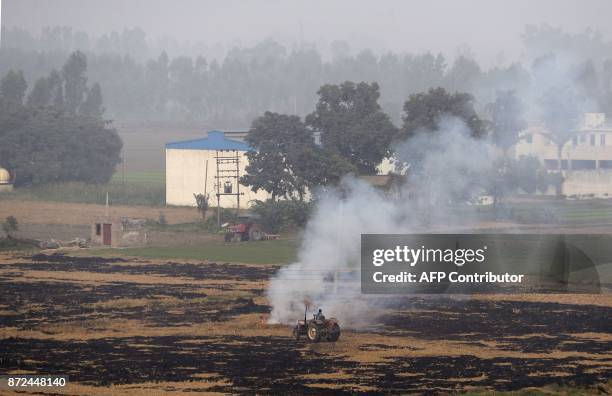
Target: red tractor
316	329
246	230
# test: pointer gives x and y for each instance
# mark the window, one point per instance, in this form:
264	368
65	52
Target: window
602	140
529	138
98	229
583	164
605	164
592	140
553	164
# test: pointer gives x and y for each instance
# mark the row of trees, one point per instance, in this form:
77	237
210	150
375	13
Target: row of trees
234	89
356	135
57	132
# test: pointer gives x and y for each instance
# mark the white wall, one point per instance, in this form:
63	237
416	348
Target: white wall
186	175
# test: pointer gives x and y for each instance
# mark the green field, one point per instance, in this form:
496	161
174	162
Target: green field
281	251
142	178
133	188
595	211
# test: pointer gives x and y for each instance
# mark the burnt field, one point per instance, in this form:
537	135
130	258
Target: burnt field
119	325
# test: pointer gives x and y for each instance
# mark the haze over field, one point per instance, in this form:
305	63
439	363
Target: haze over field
491	29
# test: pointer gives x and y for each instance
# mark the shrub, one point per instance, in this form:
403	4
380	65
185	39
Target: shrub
202	204
162	219
10	225
283	215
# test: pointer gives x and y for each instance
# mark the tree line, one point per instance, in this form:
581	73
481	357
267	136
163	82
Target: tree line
56	132
357	135
234	89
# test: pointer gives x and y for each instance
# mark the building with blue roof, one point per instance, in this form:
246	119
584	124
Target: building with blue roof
209	165
215	140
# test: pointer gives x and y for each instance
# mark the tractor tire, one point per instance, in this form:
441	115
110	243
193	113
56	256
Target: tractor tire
334	333
296	334
255	234
313	333
228	236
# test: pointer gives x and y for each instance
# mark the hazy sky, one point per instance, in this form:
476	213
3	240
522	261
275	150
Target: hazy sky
488	27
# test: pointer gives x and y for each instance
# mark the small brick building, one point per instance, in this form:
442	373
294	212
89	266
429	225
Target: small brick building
118	232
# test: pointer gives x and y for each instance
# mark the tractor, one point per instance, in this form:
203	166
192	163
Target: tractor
245	230
316	330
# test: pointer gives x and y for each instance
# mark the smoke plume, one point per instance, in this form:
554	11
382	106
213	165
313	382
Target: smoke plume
443	165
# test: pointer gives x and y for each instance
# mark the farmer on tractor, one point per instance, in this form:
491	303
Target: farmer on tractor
318	328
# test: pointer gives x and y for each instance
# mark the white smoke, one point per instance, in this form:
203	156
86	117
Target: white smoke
327	273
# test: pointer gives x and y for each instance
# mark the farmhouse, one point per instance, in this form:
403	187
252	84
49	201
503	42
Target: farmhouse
586	159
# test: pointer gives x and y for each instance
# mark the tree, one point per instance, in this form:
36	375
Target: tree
40	94
9	226
57	90
48	145
425	110
526	174
561	114
13	87
318	168
463	72
279	141
202	202
353	125
92	106
75	81
505	125
506	120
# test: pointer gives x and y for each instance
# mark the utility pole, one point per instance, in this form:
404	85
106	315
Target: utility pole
228	173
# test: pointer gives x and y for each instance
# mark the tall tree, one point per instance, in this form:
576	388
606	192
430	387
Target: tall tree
278	141
50	145
425	111
506	119
13	87
57	89
75	81
40	94
92	106
463	73
353	125
561	111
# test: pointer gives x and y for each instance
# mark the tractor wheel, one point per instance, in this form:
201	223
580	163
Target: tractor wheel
255	234
313	334
296	334
334	333
228	236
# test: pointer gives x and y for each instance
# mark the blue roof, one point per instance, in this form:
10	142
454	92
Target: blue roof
215	141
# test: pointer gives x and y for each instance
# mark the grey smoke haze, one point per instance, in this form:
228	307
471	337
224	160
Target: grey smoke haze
327	271
490	28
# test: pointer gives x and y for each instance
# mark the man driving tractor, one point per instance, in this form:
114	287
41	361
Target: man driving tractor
318	328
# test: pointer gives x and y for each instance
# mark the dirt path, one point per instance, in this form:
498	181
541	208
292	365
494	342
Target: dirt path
37	212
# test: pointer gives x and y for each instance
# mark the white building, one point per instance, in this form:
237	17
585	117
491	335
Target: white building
210	165
586	159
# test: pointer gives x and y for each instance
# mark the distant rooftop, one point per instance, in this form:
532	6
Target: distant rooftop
216	140
231	139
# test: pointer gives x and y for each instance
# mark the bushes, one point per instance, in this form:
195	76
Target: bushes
284	215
